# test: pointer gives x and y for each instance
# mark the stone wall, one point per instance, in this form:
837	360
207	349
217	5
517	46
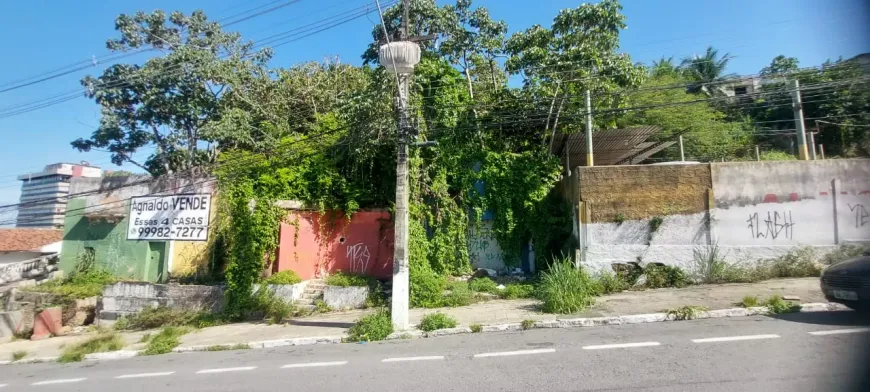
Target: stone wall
125	298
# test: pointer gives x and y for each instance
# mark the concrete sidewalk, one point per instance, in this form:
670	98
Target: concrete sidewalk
492	312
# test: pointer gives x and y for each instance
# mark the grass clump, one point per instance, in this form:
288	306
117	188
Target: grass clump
659	276
374	327
483	285
566	289
320	306
165	341
344	279
99	344
527	324
273	309
434	321
777	305
844	252
427	287
283	277
227	347
688	312
517	290
798	263
750	301
162	316
18	355
145	338
476	328
611	283
460	295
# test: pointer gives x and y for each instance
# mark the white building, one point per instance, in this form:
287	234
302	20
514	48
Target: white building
44	194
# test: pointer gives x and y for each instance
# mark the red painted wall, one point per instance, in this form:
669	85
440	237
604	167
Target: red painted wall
313	245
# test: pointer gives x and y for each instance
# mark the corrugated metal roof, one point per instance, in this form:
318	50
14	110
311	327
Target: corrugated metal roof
610	146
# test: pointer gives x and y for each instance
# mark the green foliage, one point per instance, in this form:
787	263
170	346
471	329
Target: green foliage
103	343
655	223
710	266
527	324
373	327
344	279
476	328
162	316
227	347
776	156
283	277
433	321
320	306
658	276
274	309
86	280
798	263
483	285
619	218
165	341
844	252
427	287
749	301
566	289
19	355
611	283
460	295
706	69
688	312
517	290
777	305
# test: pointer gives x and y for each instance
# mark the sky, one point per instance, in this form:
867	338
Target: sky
42	35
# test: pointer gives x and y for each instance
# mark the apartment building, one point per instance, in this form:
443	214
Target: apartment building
44	193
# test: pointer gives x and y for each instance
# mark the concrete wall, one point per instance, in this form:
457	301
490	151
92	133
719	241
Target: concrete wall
752	210
125	298
341	298
98	220
483	248
314	246
14	257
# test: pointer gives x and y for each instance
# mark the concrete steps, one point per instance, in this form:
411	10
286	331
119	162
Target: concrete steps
313	292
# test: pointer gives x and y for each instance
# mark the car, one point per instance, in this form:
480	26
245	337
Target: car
848	282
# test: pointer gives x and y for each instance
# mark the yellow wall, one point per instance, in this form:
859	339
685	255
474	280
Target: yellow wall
191	257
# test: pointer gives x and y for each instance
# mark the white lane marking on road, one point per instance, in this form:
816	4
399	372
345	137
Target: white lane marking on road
839	331
61	381
424	358
313	364
224	370
735	338
519	352
143	375
621	345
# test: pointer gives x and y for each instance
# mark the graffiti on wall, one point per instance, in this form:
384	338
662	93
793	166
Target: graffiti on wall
773	225
862	217
483	248
359	257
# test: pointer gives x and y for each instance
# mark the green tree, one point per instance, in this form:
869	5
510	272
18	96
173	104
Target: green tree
168	101
704	71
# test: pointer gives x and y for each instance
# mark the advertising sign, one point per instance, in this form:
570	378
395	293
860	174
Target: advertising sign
164	218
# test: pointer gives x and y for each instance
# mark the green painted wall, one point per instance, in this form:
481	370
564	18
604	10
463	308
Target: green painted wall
135	260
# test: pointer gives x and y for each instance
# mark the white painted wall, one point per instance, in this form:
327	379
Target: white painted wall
483	248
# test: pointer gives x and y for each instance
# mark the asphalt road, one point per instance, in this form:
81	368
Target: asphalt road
741	354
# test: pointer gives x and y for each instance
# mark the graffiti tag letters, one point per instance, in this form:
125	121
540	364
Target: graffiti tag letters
359	258
862	217
774	225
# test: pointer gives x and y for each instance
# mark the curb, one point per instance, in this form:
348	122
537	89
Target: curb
505	327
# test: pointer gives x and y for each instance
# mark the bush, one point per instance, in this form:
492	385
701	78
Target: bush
103	343
460	295
165	341
843	252
275	310
476	328
283	277
517	290
658	276
483	285
688	312
777	305
18	355
527	324
162	316
799	263
427	287
565	289
434	321
374	327
86	280
344	279
611	283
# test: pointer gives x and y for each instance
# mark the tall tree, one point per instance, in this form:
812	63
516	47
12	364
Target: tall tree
705	71
168	101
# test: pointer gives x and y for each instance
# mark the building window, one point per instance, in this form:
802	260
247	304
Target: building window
740	90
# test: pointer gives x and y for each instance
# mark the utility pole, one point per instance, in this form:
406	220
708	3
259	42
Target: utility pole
757	155
822	150
682	152
589	161
812	145
400	57
799	120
